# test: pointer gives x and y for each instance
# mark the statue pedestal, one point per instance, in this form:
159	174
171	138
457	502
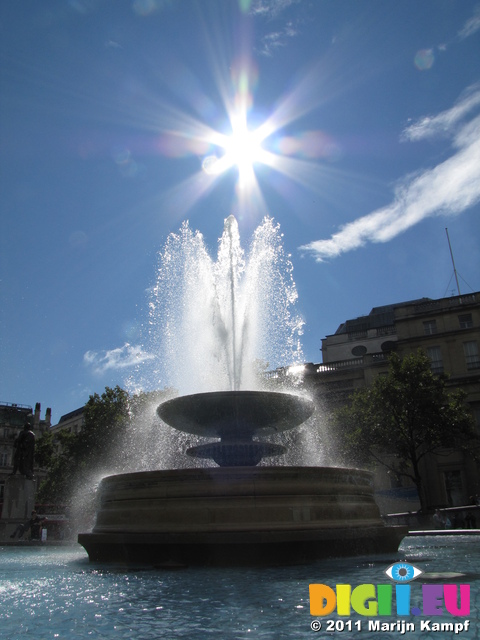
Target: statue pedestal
18	504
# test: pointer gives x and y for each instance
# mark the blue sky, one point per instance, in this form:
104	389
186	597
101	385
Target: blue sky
361	120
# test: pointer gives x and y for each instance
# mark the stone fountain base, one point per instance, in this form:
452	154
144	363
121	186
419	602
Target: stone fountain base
238	516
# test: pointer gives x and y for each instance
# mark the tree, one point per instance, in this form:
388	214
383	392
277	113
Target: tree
57	454
120	434
71	458
408	413
106	419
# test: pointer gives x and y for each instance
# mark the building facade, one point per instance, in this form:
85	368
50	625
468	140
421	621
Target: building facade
448	330
72	422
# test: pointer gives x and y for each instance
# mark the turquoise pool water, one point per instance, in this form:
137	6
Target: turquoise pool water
52	592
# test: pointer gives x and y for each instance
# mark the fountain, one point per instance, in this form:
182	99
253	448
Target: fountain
239	512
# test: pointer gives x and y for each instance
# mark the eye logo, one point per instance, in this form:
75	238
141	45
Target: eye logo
403	572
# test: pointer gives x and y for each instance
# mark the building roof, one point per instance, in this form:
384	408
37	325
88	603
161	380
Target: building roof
72	414
14	414
378	317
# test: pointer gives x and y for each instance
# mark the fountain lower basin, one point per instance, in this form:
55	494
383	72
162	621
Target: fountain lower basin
238	516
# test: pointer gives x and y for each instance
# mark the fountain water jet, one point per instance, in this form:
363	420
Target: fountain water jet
213	321
238	513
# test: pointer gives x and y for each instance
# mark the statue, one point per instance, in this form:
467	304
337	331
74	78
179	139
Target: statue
24	452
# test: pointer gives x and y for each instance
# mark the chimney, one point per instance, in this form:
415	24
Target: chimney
36	417
48	417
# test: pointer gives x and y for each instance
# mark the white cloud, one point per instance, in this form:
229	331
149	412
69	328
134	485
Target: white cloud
272	41
120	358
446	189
270	8
275	39
472	25
446	121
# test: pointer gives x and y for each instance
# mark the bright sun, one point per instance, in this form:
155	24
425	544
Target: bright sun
245	144
242	149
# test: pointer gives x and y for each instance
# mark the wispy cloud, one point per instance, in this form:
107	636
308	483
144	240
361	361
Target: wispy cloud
270	8
120	358
271	11
471	26
449	188
444	123
275	39
271	41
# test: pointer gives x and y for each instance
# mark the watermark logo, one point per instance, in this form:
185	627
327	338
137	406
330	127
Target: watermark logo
373	600
403	572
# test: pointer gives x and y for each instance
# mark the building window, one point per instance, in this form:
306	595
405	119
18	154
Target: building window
2	490
359	351
435	355
472	356
3	458
388	346
465	321
430	327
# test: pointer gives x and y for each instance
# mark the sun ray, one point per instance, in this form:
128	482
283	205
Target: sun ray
180	198
243	148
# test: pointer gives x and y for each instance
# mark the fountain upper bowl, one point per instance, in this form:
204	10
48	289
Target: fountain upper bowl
235	414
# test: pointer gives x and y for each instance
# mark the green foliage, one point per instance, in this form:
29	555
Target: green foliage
44	450
106	419
60	464
408	413
71	458
106	443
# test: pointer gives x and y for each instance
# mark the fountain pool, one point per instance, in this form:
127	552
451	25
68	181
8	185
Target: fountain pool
49	593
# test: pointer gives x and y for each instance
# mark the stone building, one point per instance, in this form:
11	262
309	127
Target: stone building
448	330
72	422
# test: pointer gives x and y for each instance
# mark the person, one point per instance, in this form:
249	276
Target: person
21	528
35	525
24	452
438	520
470	521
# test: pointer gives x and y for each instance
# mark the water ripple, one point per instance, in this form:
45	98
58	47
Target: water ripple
54	593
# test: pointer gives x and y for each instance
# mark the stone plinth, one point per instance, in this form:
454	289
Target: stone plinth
18	504
238	515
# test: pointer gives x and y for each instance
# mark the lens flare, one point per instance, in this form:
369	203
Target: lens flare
246	143
424	59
